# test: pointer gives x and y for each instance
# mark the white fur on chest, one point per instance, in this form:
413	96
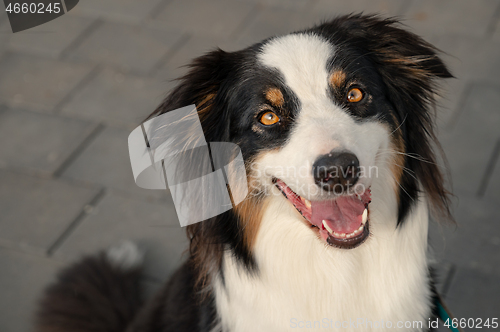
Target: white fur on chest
302	281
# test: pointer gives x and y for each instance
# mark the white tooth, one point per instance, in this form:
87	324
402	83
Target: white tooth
327	228
365	216
361	228
342	235
348	236
336	234
307	203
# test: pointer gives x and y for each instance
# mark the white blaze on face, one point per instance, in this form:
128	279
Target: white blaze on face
321	125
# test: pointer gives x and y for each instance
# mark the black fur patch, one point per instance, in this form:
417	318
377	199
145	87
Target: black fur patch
177	307
91	295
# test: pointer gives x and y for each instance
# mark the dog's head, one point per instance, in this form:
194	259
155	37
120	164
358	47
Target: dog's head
321	117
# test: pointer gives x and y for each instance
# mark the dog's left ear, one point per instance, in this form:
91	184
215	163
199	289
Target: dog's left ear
410	68
407	61
206	85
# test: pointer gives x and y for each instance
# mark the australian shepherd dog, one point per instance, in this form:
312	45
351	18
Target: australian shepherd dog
335	125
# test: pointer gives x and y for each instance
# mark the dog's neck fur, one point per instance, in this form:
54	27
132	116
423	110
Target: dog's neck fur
301	280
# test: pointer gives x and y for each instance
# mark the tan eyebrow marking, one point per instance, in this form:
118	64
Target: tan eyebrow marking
275	97
337	79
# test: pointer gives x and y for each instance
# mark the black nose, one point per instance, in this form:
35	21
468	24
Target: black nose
336	172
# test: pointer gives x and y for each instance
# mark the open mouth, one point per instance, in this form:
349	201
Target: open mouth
342	222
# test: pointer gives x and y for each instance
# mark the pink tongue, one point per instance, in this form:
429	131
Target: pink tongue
343	215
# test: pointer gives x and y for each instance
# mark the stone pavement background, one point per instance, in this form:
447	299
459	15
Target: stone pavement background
71	91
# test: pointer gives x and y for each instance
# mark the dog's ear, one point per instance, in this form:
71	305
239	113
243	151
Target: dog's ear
406	61
206	86
410	67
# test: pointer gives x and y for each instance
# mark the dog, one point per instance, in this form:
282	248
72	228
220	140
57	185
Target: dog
335	124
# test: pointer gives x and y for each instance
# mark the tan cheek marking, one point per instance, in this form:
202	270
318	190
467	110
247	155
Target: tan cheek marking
251	210
337	79
250	216
275	97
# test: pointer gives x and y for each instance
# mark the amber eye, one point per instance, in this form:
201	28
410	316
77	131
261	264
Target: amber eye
354	95
269	118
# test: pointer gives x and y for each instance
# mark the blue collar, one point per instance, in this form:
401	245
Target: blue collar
445	315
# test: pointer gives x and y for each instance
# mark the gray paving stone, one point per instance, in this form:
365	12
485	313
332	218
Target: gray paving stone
28	81
442	271
106	162
496	32
331	8
468	18
3	16
39	142
449	101
492	191
117	10
154	227
220	18
50	39
283	4
5	32
129	48
193	47
233	44
274	22
23	279
35	212
475	242
472	138
475	295
117	99
278	21
470	57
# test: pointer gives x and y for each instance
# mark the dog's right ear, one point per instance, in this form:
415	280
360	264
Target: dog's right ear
206	86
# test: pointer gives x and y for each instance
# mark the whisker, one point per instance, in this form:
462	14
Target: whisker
400	124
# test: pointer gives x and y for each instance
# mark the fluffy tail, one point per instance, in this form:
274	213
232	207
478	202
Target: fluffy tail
99	294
